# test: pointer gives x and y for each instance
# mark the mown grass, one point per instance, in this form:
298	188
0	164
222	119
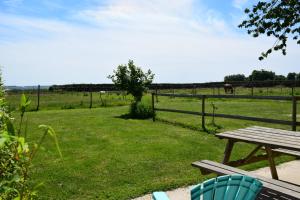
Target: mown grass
108	157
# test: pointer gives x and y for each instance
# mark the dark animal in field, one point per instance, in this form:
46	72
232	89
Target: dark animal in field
228	88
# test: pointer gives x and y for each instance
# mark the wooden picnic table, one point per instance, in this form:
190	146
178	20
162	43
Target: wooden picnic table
274	142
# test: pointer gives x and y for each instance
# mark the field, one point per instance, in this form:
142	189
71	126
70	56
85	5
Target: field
106	156
72	100
69	100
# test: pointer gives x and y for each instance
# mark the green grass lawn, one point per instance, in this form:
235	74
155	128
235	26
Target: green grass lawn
108	157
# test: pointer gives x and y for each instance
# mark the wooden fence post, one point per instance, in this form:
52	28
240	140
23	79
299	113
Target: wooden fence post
38	97
292	91
153	109
156	95
203	112
294	114
91	98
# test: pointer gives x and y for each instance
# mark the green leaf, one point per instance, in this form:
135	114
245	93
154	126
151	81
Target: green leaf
49	130
23	100
3	140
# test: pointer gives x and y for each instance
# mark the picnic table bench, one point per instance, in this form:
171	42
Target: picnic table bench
272	189
274	142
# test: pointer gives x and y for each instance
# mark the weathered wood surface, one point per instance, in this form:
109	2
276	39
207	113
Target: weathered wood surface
178	111
231	96
257	119
293	122
272	163
273	130
273	138
294	113
252	159
203	113
288	152
274	189
227	152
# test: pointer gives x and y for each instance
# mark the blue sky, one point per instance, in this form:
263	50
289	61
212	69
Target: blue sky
82	41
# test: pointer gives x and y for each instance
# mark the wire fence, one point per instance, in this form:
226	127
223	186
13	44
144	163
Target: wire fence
46	100
202	111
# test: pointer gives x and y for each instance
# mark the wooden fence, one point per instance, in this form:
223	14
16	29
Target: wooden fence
293	122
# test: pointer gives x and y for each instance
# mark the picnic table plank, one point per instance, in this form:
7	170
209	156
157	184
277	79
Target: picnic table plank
277	144
286	151
267	137
269	134
275	131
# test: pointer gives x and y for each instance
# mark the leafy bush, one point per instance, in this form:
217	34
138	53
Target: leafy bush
14	159
16	155
140	110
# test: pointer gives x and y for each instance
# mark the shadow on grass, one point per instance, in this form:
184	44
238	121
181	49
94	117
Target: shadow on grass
124	116
128	116
212	129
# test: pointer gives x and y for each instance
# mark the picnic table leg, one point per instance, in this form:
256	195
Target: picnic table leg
227	152
271	163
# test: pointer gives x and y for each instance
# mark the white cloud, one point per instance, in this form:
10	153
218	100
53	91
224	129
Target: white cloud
12	3
239	4
155	15
30	26
178	46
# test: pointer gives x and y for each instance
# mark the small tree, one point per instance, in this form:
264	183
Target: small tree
132	79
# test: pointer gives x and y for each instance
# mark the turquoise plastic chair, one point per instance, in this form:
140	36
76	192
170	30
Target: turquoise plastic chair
229	187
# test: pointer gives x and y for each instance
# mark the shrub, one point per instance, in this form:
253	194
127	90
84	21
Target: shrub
14	159
16	155
140	110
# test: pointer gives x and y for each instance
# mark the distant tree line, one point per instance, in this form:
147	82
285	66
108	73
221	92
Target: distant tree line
263	75
169	86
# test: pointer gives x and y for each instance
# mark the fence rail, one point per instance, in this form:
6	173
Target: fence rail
293	122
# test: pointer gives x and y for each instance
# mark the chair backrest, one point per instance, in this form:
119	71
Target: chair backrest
229	187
